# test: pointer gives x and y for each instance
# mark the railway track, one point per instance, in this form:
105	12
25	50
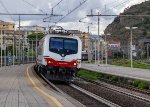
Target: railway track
122	98
131	88
85	97
98	95
95	96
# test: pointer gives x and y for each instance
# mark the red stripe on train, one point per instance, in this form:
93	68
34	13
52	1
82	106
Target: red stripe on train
52	62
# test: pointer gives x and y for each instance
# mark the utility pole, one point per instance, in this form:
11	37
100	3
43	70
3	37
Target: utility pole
106	56
23	49
95	51
1	48
88	29
98	37
28	50
19	42
131	54
13	49
131	46
106	49
89	50
98	15
36	46
147	45
5	54
32	51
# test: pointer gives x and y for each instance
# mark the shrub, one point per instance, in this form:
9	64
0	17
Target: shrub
136	83
114	78
100	76
143	85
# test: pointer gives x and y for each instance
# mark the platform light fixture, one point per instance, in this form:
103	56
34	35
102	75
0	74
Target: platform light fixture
131	47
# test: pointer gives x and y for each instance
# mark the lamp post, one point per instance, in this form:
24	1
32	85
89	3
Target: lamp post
98	37
32	51
147	46
94	40
1	33
13	49
131	47
27	45
36	45
106	51
5	46
1	48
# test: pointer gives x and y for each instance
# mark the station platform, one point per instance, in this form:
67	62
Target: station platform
19	87
127	72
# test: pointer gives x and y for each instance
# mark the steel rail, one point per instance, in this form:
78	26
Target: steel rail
96	97
51	84
100	84
59	90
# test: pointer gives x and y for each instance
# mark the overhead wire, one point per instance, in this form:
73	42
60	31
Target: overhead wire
81	3
52	12
57	4
34	6
114	7
81	20
1	2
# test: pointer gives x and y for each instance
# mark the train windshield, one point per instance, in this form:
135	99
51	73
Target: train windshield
63	46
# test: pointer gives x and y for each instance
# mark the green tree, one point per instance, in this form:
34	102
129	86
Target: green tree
33	36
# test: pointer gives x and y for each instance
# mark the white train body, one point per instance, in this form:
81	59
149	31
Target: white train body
59	53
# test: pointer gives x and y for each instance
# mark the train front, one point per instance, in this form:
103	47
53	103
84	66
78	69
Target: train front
65	57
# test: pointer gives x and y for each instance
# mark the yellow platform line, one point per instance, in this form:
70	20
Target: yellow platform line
53	99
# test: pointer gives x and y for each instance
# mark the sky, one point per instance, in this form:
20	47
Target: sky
70	22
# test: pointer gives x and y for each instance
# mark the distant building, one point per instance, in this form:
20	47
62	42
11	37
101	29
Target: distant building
9	35
33	29
113	47
7	25
85	40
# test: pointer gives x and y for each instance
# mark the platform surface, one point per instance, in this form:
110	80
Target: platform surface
16	90
20	86
135	73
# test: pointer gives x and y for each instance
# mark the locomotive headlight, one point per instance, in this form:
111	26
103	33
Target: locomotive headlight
75	64
49	62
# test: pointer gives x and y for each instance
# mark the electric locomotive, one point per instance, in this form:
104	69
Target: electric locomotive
59	56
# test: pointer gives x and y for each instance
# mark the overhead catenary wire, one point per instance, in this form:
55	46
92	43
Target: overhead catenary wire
122	15
81	3
52	12
81	20
57	4
114	6
1	2
34	6
110	4
24	14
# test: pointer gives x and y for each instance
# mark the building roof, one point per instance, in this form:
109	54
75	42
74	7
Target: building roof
1	21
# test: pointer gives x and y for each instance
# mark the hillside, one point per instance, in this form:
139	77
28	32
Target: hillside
117	27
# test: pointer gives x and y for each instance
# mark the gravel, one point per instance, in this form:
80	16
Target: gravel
115	97
81	97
